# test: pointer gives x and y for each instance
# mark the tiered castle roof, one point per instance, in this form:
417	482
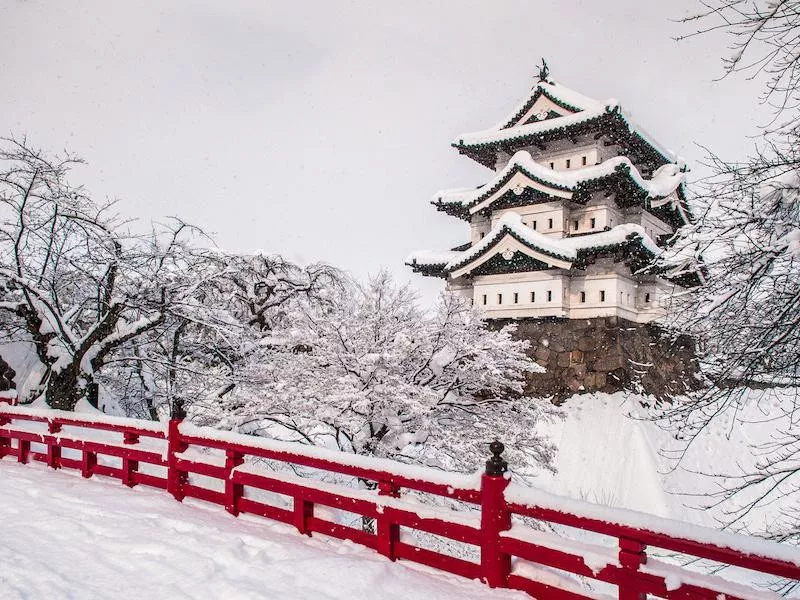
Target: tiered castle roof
523	181
533	251
570	115
641	174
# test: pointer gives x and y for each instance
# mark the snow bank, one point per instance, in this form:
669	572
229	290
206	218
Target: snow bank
65	537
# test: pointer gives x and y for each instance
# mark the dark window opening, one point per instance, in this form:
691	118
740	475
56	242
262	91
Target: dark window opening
602	295
583	160
533	296
534	224
549	296
552	165
549	223
647	297
568	163
583	296
593	222
575	225
499	298
484	298
516	298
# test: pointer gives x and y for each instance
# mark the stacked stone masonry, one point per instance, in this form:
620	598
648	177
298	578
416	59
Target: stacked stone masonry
606	355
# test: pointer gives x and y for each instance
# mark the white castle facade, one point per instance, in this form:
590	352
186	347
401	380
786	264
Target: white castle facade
580	202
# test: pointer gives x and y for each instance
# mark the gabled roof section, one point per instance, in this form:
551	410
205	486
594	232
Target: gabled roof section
535	245
510	235
562	101
574	114
523	173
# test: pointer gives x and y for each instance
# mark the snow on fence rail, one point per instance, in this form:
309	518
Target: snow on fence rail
513	554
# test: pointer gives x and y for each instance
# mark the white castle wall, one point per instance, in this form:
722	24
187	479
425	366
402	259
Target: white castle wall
601	294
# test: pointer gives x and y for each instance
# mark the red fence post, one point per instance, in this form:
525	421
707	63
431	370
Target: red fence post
23	449
53	449
5	443
88	463
631	556
233	491
129	466
388	533
303	511
176	479
495	518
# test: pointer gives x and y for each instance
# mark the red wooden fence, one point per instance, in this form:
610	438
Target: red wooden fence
490	512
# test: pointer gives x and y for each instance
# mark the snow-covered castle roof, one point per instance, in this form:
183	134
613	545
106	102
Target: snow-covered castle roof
509	235
522	172
567	114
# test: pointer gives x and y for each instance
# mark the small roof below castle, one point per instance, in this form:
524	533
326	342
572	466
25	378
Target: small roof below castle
549	252
522	172
552	111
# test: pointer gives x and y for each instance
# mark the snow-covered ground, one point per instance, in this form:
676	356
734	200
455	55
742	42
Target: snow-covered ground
606	457
65	537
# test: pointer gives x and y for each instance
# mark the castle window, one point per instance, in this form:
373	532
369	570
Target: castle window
602	295
549	223
647	297
593	222
533	296
583	296
568	163
516	298
483	234
534	224
484	299
628	299
552	165
549	296
499	298
583	160
575	225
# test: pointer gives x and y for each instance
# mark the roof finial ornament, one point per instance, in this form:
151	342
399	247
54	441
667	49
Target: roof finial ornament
544	71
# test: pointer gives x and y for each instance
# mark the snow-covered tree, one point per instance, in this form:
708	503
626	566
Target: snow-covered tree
371	373
763	43
73	282
202	358
745	242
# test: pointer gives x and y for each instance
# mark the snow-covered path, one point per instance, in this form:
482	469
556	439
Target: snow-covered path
65	537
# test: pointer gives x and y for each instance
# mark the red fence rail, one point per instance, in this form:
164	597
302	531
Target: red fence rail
490	514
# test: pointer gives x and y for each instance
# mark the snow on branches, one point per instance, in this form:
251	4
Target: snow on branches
371	373
73	282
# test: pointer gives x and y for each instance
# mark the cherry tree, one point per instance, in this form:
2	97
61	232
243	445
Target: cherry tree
371	373
745	247
204	356
74	283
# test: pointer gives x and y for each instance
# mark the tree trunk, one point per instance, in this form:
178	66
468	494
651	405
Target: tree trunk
65	388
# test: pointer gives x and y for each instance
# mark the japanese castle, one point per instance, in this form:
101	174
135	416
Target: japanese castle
580	201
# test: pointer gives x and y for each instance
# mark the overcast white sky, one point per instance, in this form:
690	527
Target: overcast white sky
320	129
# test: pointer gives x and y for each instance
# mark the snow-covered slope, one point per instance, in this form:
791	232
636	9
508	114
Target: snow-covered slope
608	453
65	537
606	457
